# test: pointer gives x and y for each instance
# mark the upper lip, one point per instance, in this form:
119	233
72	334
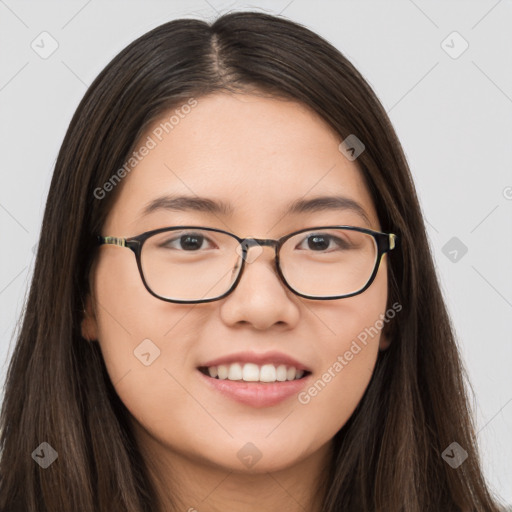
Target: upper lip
273	357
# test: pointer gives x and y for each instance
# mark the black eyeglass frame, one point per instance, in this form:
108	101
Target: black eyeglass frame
385	242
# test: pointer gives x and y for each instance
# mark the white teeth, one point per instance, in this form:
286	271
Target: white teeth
281	373
268	373
235	372
250	372
222	370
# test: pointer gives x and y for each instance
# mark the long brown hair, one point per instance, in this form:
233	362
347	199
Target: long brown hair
387	457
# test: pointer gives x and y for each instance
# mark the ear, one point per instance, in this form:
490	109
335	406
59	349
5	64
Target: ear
384	341
89	325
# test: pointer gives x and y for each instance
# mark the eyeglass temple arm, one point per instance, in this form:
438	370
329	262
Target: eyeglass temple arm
392	241
112	240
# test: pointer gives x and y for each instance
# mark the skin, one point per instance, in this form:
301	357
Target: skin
259	154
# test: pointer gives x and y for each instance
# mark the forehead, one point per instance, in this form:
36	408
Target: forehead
258	155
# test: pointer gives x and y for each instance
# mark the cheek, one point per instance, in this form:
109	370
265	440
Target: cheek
135	333
350	343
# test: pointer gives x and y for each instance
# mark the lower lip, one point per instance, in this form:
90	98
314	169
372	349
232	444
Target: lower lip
257	394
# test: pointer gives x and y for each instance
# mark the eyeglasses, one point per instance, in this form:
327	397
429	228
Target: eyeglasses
190	264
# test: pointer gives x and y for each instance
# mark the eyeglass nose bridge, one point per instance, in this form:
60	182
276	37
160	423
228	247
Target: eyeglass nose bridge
247	243
250	242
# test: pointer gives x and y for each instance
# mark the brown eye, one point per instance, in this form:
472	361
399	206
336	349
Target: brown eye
189	242
322	242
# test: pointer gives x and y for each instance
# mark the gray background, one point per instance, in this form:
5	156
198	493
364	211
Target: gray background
453	116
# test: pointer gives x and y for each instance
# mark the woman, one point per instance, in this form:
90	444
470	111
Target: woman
234	304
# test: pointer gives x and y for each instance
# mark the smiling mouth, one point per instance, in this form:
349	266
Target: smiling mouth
299	374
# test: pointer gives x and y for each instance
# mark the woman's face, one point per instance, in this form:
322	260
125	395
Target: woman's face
258	156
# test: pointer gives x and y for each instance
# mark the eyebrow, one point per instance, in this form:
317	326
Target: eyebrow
211	206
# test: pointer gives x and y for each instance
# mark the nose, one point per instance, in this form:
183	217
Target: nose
260	298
